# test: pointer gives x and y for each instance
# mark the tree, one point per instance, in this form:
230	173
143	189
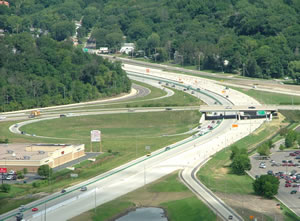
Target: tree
20	174
25	170
290	138
45	171
264	149
240	163
235	151
266	186
62	30
5	188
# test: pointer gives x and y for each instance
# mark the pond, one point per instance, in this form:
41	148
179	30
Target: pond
145	214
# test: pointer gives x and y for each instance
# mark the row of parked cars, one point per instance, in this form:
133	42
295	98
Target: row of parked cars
11	175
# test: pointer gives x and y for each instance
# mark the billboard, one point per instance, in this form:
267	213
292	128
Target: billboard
3	170
95	136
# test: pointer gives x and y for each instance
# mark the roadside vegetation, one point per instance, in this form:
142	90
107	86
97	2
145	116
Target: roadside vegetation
235	189
168	193
124	138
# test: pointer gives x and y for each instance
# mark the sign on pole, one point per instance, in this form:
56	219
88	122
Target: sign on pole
95	136
3	170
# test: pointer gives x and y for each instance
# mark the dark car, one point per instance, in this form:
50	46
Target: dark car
63	191
292	154
62	115
251	107
297	157
230	217
284	161
293	191
270	172
167	148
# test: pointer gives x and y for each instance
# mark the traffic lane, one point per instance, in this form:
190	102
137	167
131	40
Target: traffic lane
158	160
127	173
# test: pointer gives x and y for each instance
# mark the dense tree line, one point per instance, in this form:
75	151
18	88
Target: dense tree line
38	72
255	38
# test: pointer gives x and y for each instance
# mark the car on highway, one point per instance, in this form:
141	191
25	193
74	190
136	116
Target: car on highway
63	191
230	217
22	208
251	107
148	154
34	209
62	115
228	107
167	148
192	92
83	188
168	108
159	82
2	117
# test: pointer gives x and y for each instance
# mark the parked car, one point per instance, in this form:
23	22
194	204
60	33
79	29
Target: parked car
34	209
293	191
292	154
270	172
262	166
288	185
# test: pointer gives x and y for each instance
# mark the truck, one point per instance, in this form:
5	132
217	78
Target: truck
34	113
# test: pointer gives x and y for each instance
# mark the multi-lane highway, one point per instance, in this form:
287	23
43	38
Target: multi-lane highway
139	172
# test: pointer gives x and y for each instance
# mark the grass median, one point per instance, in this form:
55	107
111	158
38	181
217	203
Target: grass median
168	193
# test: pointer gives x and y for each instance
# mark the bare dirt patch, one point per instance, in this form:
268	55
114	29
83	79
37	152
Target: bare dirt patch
251	205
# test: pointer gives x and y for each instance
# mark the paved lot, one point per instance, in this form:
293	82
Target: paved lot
284	193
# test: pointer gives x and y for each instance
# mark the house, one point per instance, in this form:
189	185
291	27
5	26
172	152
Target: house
4	3
127	48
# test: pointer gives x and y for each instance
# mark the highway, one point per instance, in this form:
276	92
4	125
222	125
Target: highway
137	173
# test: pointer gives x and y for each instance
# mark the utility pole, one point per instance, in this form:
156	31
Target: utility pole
199	61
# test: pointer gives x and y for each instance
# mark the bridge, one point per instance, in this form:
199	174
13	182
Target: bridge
215	112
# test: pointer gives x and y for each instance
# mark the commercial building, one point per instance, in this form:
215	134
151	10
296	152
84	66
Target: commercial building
32	156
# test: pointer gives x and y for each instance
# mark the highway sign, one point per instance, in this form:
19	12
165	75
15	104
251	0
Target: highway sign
3	170
74	175
95	136
261	112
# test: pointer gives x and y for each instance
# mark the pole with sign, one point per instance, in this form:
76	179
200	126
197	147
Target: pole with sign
3	170
96	137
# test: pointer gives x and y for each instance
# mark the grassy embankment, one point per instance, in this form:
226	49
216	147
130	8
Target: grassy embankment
168	193
270	98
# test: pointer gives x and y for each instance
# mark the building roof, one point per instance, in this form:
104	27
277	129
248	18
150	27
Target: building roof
28	151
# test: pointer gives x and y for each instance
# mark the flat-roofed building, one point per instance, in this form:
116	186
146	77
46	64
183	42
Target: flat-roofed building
32	156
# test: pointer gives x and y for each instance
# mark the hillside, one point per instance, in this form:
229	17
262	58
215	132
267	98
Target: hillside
255	38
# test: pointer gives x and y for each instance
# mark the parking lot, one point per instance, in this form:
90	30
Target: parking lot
287	168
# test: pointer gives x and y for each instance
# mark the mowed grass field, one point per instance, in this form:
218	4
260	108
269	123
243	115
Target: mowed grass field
168	193
120	132
270	98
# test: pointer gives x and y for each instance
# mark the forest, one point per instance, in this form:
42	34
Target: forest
43	72
254	38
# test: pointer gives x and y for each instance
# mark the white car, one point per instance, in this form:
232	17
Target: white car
2	117
262	166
